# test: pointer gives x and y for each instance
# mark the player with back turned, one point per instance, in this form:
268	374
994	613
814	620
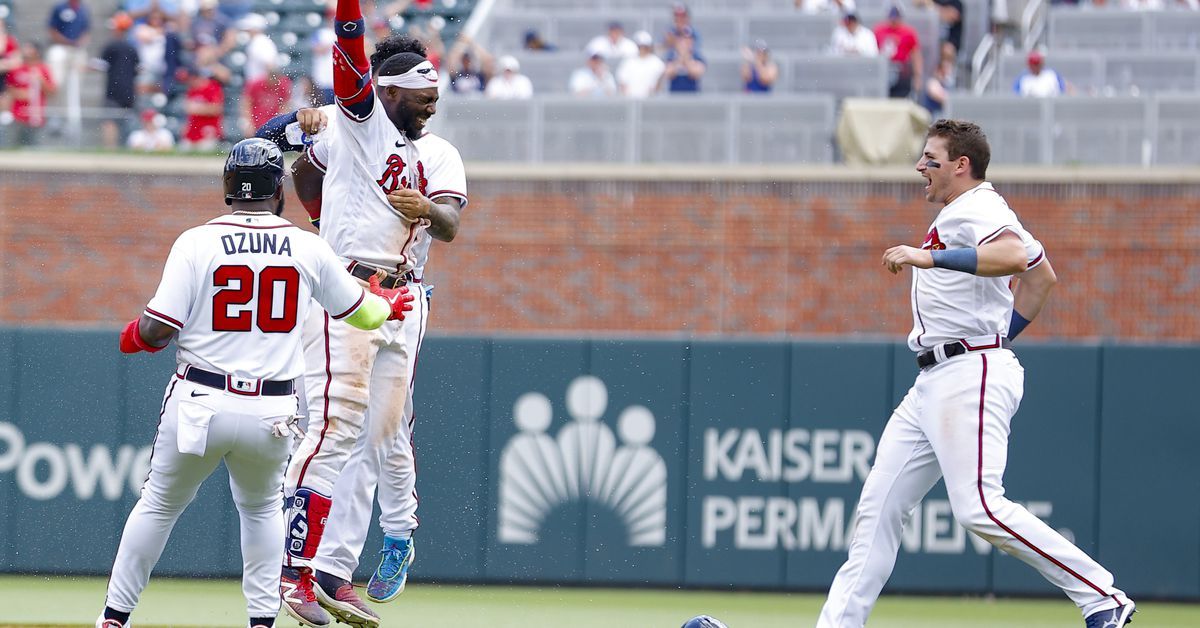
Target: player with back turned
233	294
954	422
392	189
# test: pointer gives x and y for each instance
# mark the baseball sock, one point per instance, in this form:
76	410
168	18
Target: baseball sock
120	616
265	622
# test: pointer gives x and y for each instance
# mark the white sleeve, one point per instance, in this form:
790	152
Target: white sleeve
986	227
318	154
446	175
173	302
334	288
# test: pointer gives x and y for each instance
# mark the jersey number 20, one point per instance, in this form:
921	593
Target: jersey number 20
268	281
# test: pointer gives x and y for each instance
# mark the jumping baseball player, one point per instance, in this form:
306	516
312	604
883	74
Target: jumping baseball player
234	293
954	421
396	187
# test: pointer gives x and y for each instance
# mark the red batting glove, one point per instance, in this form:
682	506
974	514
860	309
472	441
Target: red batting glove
398	298
132	341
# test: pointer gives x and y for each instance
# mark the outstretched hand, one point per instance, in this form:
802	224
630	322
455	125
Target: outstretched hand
897	257
398	298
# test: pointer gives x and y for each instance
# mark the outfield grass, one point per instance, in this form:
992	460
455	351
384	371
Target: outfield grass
66	602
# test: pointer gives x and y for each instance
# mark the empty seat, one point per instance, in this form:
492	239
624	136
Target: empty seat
1099	130
550	72
1152	71
796	32
723	74
488	130
505	33
683	129
1017	128
1175	30
840	76
1098	30
1177	133
776	129
587	130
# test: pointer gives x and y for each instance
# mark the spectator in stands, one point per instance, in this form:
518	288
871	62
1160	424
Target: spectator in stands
10	59
151	137
950	16
150	38
140	10
67	56
322	60
937	88
681	22
264	99
210	28
510	84
235	9
826	6
614	46
261	52
534	41
759	70
899	43
1039	81
640	76
684	65
119	60
29	84
435	49
852	39
469	65
204	105
304	94
593	80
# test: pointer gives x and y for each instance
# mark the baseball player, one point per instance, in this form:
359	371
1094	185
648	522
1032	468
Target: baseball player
234	292
954	421
396	187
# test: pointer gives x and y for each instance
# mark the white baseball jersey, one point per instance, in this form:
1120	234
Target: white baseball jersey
363	162
947	304
250	273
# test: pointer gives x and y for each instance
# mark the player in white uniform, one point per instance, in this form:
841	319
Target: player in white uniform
391	188
954	421
235	291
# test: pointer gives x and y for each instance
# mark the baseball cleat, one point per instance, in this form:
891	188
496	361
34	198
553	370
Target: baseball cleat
388	580
338	597
296	591
1113	617
101	622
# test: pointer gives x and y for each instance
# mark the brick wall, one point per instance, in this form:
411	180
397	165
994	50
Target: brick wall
641	257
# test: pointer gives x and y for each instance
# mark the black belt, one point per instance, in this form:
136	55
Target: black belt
926	359
238	385
389	280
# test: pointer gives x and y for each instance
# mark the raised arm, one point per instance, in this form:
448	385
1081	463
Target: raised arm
351	66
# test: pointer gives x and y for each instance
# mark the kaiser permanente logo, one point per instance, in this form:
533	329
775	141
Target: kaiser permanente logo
44	470
583	460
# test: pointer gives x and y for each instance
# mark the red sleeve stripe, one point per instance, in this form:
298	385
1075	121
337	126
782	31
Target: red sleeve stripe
159	316
1037	260
312	157
352	308
995	233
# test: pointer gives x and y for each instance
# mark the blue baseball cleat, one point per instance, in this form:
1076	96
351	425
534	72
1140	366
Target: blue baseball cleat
388	580
1112	618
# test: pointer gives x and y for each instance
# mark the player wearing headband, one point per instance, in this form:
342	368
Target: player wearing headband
396	188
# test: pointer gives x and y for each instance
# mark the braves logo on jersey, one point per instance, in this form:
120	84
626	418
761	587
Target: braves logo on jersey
394	177
933	242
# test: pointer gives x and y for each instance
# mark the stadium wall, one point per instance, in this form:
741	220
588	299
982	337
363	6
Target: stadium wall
638	250
662	462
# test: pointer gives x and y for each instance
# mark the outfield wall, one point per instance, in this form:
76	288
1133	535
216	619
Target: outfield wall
709	464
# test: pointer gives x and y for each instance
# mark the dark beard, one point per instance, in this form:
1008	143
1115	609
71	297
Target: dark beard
410	129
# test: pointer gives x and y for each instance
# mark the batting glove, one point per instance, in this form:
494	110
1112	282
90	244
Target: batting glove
398	298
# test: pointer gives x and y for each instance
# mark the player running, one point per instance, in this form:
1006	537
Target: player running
396	187
232	293
955	420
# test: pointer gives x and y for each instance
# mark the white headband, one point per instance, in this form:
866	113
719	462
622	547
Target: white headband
420	77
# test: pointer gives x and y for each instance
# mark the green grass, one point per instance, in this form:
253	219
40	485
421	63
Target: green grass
36	601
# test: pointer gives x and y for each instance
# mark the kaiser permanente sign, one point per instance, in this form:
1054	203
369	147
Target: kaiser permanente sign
712	464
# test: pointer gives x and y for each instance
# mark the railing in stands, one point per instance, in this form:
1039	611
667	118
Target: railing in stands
984	64
1033	23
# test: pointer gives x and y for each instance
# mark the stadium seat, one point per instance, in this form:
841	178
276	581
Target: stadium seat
840	76
718	31
1017	128
1152	71
550	72
1098	30
685	129
1084	70
795	32
505	33
785	130
1175	30
574	31
1177	129
488	130
1099	130
586	130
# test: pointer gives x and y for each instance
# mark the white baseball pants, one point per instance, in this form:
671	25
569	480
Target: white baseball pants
954	423
358	386
353	493
215	426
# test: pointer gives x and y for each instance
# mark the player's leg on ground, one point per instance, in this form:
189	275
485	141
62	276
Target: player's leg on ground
904	471
256	465
170	486
981	392
338	361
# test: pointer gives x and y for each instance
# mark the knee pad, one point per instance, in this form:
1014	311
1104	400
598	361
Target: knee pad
306	514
